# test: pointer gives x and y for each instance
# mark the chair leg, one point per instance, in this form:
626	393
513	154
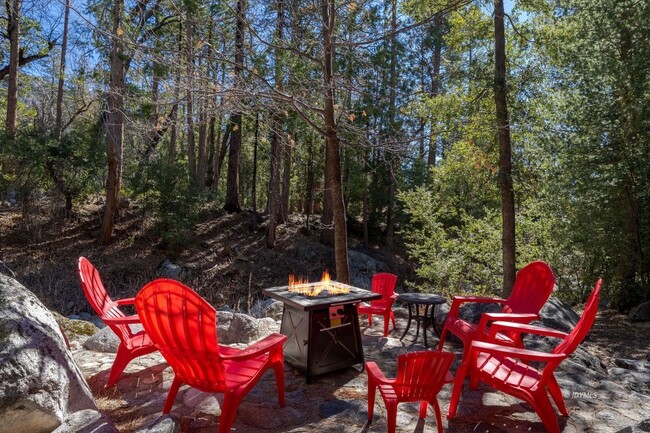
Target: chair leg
544	409
171	396
556	393
122	359
391	416
443	334
436	408
423	409
279	382
473	381
392	318
228	411
458	387
371	400
386	323
369	319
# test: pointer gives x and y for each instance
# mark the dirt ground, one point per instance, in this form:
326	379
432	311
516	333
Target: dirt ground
225	260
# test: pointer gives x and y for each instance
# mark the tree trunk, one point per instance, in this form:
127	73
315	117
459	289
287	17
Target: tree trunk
171	149
286	181
203	137
14	18
114	123
273	202
435	83
59	94
328	9
391	157
232	183
273	190
254	185
505	151
327	215
189	60
309	190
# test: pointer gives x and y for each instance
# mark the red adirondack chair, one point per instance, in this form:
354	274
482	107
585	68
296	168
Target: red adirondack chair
420	376
506	368
383	283
184	327
132	344
533	286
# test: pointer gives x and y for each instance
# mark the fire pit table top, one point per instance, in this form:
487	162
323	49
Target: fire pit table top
324	299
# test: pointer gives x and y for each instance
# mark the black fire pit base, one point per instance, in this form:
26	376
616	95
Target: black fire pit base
322	340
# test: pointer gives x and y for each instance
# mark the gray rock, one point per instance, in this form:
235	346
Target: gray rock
267	308
86	421
267	416
242	328
167	269
97	321
105	340
640	313
472	311
331	408
362	268
162	424
557	314
642	427
40	385
630	364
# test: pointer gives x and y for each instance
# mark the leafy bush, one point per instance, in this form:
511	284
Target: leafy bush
175	200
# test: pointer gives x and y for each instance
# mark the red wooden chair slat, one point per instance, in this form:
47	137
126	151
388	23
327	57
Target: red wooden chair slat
384	284
533	286
132	344
420	376
184	328
506	368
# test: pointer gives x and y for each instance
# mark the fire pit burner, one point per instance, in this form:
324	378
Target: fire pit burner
323	330
325	287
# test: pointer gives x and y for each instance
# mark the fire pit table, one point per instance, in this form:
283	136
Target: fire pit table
322	327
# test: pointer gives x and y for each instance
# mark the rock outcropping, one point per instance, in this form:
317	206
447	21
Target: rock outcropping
41	388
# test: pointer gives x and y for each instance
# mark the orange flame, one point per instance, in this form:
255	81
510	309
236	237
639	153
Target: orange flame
304	287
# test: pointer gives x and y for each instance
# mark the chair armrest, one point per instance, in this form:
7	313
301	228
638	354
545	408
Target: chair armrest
125	301
514	352
486	318
394	296
261	347
521	328
459	300
122	320
377	375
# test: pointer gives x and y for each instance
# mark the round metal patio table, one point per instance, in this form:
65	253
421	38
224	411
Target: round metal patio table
415	302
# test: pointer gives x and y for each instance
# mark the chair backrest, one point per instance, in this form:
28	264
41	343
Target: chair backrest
98	298
533	286
384	284
421	375
183	326
579	332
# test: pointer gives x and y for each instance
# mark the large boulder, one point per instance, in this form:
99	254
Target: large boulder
106	341
40	385
167	269
267	308
557	314
241	328
640	313
362	268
